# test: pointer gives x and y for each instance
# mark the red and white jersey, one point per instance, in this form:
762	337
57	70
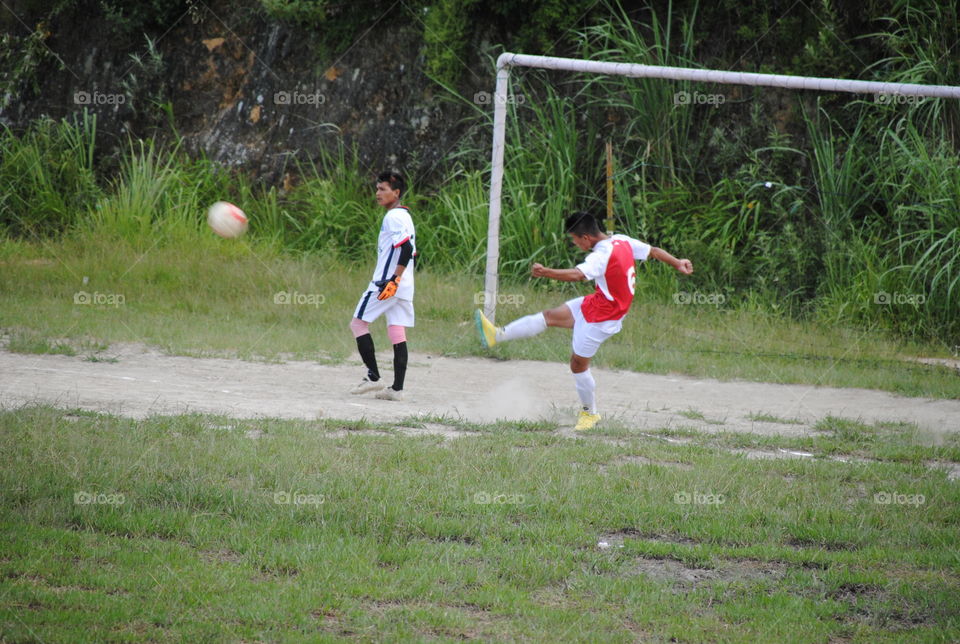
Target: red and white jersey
397	228
611	265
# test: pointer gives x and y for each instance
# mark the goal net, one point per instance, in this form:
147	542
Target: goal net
882	93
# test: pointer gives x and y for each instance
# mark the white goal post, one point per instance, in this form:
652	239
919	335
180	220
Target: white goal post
633	70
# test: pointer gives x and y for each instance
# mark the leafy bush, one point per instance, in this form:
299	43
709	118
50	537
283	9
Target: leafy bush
48	176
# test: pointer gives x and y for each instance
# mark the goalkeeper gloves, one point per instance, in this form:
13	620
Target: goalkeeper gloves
388	288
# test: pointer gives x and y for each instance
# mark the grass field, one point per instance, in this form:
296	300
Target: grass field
227	299
196	528
207	528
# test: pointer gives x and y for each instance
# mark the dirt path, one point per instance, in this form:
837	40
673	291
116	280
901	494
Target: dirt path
143	381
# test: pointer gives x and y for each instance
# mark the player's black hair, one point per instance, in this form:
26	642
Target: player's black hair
582	223
395	179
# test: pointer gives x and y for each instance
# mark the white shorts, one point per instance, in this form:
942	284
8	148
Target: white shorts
398	312
588	336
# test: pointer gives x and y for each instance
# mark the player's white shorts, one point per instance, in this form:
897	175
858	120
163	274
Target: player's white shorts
398	312
588	336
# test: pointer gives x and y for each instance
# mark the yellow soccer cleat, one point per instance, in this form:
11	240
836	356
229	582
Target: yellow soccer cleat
586	420
488	332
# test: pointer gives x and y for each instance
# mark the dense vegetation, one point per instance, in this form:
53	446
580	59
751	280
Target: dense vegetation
838	208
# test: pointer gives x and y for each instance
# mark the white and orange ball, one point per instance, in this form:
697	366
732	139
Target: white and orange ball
227	220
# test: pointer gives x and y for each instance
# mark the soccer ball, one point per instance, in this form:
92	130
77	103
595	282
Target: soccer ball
227	220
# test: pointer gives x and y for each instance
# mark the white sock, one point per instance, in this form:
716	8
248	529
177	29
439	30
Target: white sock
525	327
587	389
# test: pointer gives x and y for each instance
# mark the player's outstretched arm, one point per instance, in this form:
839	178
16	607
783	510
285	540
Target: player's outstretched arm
561	274
685	266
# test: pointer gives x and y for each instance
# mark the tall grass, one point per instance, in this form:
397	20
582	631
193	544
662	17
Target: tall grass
545	189
851	216
333	209
48	176
654	127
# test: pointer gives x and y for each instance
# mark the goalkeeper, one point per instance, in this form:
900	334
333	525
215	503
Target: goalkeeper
390	291
595	317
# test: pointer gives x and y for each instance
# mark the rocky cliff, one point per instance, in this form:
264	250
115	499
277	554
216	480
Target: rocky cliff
242	88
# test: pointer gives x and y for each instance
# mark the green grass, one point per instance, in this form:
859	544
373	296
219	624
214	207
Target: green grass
770	418
693	414
221	300
197	532
28	341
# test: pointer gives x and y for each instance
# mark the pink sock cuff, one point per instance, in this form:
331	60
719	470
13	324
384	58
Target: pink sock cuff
396	333
359	327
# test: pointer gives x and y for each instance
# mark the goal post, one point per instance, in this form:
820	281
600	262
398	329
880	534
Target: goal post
635	70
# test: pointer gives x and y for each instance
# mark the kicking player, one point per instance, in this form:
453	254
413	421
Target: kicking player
390	291
593	318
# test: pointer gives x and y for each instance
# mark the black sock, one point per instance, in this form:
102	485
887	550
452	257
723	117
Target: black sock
369	357
399	365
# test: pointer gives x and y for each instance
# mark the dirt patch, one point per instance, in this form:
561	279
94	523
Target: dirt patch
271	573
872	604
685	577
832	546
446	432
952	470
222	555
853	592
143	382
943	362
616	539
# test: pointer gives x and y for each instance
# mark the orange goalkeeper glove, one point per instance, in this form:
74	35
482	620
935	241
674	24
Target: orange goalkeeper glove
388	288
